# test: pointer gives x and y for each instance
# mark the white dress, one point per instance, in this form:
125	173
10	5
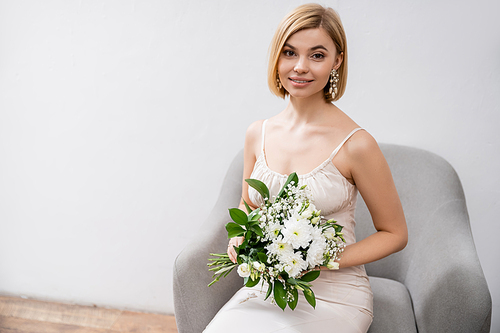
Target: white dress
344	300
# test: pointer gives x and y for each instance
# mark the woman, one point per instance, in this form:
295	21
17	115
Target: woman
335	158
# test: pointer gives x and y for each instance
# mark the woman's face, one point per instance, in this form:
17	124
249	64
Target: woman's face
306	61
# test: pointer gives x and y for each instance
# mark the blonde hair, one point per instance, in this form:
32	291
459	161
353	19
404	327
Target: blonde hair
308	16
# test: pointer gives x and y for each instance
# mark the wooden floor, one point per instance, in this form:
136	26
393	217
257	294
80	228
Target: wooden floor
19	315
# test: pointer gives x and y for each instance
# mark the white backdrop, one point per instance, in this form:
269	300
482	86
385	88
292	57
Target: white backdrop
119	118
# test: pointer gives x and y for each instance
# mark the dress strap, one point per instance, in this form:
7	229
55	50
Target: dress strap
263	134
342	143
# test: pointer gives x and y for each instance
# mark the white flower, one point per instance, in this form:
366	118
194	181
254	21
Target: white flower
306	214
244	270
317	234
332	265
315	254
297	233
294	264
273	230
259	266
315	220
295	216
279	247
329	233
272	272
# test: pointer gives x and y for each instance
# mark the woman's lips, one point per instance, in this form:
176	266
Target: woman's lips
299	82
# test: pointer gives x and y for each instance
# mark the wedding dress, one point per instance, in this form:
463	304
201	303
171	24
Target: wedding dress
344	300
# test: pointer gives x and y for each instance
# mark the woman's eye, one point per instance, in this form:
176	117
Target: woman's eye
288	53
318	56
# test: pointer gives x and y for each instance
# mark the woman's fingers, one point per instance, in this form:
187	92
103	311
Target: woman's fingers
231	253
236	241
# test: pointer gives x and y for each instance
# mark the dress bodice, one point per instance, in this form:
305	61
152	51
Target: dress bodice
331	191
344	297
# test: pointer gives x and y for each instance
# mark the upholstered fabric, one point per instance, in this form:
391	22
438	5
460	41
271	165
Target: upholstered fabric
392	308
435	284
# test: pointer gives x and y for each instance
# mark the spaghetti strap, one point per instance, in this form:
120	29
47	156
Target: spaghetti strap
263	135
342	143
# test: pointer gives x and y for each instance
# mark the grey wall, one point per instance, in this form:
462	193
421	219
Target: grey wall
119	118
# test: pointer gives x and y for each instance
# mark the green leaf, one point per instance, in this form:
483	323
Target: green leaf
259	187
251	223
257	230
310	276
280	294
254	215
309	295
250	283
254	218
269	290
337	227
234	230
262	257
249	210
293	303
248	235
238	216
293	177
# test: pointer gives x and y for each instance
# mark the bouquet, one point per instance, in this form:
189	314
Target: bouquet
285	241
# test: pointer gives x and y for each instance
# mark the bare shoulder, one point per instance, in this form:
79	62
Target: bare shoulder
367	164
254	130
253	137
362	145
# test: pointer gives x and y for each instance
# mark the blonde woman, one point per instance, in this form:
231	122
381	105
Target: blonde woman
336	159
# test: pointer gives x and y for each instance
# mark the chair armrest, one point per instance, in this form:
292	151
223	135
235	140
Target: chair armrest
195	303
445	279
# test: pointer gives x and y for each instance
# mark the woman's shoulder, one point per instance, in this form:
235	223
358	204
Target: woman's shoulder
362	146
253	136
255	128
254	131
360	140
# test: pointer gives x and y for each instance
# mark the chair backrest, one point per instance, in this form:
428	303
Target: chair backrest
425	183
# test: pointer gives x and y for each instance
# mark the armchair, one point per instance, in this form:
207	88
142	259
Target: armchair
435	284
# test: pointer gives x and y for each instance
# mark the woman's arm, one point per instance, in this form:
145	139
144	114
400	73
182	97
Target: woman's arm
250	153
371	174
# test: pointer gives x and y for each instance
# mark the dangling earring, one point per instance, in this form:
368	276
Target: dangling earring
278	82
334	78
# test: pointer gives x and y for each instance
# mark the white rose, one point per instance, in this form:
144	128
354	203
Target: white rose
244	270
332	265
259	266
307	213
329	233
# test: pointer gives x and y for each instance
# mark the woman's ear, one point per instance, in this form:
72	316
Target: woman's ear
338	60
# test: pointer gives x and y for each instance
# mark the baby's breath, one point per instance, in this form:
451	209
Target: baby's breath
295	238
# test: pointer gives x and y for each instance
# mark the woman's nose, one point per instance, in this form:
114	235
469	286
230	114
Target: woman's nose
301	65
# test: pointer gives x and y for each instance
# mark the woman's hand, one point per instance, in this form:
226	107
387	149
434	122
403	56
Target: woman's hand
235	241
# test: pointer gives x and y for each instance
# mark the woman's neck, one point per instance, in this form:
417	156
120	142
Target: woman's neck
301	111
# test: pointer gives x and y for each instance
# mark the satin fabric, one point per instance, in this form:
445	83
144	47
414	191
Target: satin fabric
344	297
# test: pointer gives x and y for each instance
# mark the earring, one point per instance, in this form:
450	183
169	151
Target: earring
334	78
278	82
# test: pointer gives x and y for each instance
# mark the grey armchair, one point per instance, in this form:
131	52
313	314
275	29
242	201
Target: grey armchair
435	284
